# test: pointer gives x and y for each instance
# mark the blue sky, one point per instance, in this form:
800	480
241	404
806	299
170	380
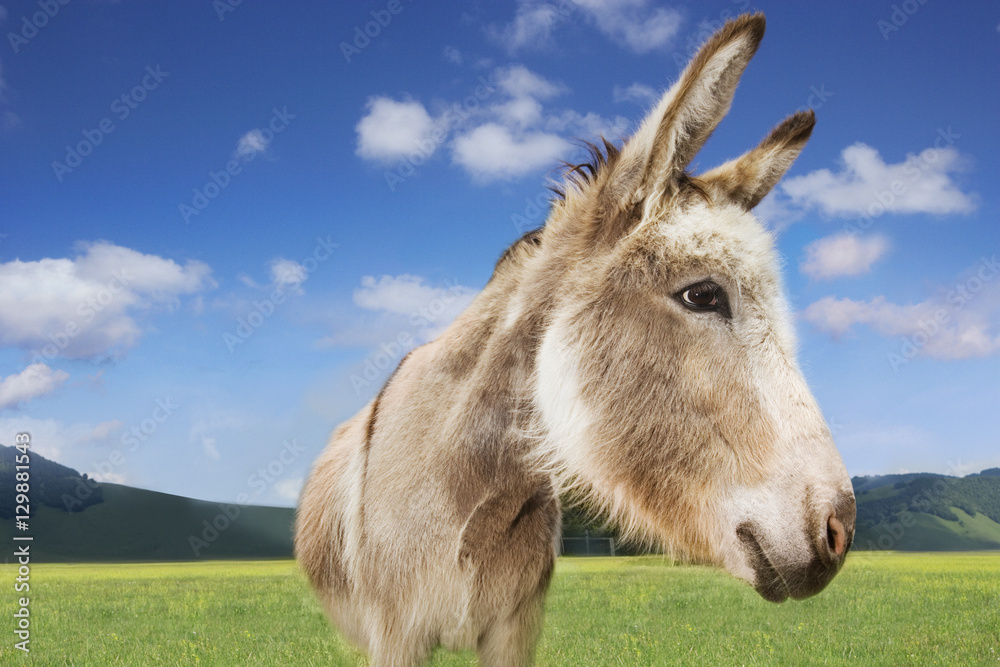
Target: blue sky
221	225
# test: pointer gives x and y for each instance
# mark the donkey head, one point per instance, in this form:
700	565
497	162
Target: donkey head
666	379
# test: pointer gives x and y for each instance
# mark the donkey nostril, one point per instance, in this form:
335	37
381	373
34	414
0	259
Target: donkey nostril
836	536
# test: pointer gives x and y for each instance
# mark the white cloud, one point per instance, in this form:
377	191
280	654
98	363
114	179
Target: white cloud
587	125
633	24
636	25
103	430
392	130
837	316
492	152
525	90
959	323
520	112
49	437
251	144
146	274
510	135
34	381
109	477
521	136
407	294
69	444
776	211
404	304
211	451
531	28
842	255
639	93
519	81
84	307
247	280
287	273
213	425
866	185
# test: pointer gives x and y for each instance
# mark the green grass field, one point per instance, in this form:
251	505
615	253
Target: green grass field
886	609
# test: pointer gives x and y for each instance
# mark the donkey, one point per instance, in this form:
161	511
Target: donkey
638	349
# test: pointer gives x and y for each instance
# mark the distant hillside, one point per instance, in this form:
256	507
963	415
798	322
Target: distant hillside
928	512
862	484
129	524
52	485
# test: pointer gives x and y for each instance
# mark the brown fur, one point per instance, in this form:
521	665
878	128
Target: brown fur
433	515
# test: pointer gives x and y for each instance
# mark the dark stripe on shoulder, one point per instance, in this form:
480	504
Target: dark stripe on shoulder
370	428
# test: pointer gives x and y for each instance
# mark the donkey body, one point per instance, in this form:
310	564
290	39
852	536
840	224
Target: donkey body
638	347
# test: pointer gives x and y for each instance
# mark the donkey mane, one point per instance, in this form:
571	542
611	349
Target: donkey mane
585	173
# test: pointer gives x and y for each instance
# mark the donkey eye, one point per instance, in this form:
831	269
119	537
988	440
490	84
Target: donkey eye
703	296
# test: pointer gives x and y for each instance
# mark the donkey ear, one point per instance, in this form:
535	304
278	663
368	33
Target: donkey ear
690	111
748	178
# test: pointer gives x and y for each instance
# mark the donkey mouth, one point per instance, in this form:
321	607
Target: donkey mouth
768	581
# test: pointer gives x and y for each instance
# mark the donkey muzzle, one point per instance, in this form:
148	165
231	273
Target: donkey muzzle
780	574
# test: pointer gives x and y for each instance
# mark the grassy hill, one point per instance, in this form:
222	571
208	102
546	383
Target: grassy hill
926	512
135	524
50	483
122	523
